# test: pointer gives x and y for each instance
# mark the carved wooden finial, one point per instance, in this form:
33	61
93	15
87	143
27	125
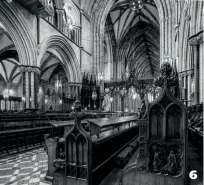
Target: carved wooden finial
167	76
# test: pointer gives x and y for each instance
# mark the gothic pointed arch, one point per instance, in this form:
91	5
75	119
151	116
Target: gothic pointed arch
68	57
17	28
165	10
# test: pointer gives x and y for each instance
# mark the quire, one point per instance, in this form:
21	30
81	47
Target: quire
101	92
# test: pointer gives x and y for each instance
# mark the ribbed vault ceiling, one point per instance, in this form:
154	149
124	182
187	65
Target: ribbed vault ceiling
50	64
140	48
123	18
9	62
137	36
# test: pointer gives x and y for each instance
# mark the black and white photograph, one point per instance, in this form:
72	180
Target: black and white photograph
101	92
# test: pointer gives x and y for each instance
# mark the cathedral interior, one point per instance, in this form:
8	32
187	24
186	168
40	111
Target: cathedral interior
101	92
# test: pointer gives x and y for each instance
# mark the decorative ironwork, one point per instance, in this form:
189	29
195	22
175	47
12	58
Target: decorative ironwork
136	5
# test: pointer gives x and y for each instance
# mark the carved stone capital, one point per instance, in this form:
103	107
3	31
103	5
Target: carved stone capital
36	70
29	69
197	40
60	11
190	72
188	17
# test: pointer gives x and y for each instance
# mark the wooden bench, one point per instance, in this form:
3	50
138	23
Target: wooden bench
92	154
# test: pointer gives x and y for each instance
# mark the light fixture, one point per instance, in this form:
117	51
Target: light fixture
23	99
10	91
94	94
9	1
71	27
136	5
6	93
100	76
60	101
111	99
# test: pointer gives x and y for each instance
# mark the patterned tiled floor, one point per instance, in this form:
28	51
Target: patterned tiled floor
28	168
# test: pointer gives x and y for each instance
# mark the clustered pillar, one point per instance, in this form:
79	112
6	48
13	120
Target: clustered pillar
30	76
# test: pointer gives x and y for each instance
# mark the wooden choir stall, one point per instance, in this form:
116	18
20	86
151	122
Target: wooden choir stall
163	139
87	153
92	148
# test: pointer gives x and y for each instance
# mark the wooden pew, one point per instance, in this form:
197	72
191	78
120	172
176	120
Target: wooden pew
16	125
86	157
28	135
114	135
98	126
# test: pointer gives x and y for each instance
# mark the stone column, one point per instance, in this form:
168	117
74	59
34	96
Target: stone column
36	83
195	42
185	85
23	69
196	71
5	101
201	67
189	74
29	85
122	103
60	21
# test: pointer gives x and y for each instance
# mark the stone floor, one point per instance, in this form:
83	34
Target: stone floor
195	162
28	168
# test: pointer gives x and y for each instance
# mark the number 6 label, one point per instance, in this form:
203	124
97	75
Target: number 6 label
193	174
